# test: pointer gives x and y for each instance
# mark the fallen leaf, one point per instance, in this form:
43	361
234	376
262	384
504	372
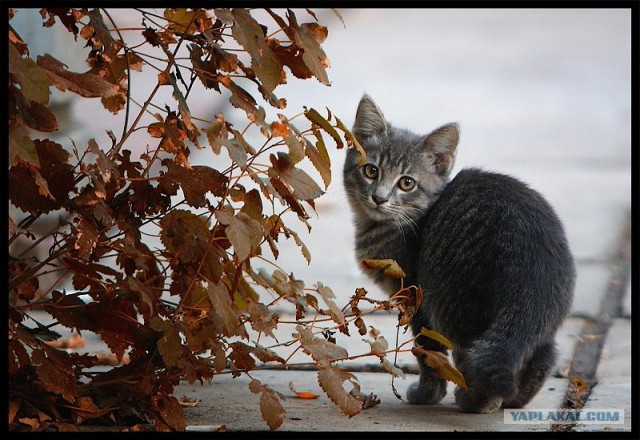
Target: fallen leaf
368	400
302	394
189	403
104	358
75	341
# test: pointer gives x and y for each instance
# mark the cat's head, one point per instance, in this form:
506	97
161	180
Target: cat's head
403	172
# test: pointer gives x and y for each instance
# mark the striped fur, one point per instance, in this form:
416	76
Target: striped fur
489	253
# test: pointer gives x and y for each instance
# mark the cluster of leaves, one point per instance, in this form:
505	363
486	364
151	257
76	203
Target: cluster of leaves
195	306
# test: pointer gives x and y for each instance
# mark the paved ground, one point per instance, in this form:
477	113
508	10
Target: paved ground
540	94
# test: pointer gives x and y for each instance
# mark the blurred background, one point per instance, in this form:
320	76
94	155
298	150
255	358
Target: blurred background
540	94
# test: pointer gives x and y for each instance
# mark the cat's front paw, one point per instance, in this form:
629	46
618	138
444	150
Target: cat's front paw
427	393
477	401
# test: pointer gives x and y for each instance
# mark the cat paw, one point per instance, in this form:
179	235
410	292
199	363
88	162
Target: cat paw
474	402
426	393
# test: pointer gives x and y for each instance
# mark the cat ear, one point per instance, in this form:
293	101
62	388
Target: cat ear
440	145
369	119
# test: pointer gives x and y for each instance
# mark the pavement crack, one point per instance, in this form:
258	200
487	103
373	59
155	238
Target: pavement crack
586	357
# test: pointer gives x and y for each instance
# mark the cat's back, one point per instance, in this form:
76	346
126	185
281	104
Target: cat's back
490	241
494	203
488	229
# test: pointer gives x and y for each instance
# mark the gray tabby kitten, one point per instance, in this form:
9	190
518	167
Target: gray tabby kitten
489	253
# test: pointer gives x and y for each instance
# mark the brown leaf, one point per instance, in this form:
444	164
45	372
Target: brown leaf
439	361
34	114
241	355
196	182
302	185
319	349
54	376
379	345
282	190
223	308
391	368
21	146
320	121
85	84
14	406
290	56
368	400
319	158
249	34
328	295
270	407
30	421
316	31
100	35
86	408
66	16
217	133
244	232
306	38
171	412
27	184
86	239
389	268
33	81
170	343
187	21
331	380
261	320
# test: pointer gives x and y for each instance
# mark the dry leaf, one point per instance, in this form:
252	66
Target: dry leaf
319	349
439	361
302	394
368	400
189	403
75	341
330	380
105	358
436	336
272	411
389	268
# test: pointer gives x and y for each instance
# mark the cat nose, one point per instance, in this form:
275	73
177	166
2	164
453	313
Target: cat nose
378	200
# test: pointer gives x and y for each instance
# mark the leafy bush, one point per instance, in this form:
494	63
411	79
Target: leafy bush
191	308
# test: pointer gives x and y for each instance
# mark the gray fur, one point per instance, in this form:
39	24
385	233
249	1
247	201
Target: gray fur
489	253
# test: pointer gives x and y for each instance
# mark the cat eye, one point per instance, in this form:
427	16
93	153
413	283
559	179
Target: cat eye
406	183
370	171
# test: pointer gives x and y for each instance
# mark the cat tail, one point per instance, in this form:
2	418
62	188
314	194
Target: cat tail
496	358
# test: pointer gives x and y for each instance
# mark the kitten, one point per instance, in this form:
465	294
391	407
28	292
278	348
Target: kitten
489	253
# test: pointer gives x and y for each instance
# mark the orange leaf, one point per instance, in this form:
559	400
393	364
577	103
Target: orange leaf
302	394
75	341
